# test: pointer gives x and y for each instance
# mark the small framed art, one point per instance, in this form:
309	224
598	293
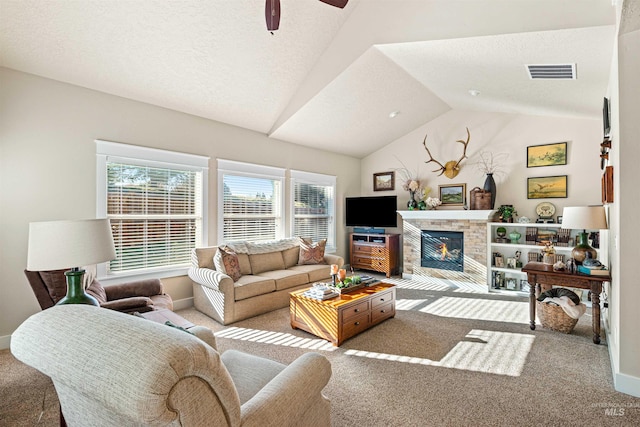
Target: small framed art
547	155
607	185
547	187
384	181
453	194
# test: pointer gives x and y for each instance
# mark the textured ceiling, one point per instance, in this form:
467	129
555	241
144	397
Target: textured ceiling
328	77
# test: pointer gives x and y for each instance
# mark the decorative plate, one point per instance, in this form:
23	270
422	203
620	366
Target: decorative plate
524	220
545	210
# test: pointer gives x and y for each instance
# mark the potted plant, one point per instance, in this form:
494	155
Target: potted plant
507	212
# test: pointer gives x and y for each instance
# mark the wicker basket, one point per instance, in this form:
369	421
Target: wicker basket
553	317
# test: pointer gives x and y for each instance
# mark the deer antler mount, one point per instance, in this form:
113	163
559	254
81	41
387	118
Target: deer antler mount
452	167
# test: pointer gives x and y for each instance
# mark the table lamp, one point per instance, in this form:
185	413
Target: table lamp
585	218
55	245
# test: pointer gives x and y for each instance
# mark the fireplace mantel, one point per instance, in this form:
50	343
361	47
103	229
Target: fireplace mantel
470	215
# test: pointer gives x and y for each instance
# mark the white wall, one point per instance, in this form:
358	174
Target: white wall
47	166
625	316
497	133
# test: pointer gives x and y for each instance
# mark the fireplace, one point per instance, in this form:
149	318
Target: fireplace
443	250
473	226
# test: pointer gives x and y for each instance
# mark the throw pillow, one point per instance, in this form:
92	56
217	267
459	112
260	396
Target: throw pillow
311	253
217	262
56	283
97	291
230	262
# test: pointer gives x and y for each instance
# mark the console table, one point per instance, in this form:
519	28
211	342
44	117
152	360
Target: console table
542	277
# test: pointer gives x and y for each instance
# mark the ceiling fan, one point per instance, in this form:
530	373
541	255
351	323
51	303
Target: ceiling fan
272	11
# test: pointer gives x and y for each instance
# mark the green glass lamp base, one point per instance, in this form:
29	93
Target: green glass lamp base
75	290
583	250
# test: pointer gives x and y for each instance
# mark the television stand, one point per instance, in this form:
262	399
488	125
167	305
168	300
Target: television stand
377	252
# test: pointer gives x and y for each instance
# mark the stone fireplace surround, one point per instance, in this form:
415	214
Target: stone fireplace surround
473	225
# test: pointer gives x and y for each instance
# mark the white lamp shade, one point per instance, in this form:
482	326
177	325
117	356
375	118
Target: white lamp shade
584	217
55	245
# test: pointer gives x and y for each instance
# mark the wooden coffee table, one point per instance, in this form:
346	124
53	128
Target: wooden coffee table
340	318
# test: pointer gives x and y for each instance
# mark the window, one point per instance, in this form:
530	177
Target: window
154	200
251	200
313	199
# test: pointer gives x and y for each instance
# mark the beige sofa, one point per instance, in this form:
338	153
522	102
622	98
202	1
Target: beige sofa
114	369
270	271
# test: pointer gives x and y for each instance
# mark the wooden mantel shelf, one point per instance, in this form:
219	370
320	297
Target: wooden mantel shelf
475	215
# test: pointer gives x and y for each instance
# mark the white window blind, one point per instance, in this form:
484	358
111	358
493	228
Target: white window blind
155	209
251	200
313	207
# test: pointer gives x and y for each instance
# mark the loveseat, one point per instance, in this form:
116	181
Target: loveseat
267	273
114	369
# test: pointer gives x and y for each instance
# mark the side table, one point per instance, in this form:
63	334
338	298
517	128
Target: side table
541	276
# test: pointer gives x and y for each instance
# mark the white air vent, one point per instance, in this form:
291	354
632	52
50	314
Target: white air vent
552	71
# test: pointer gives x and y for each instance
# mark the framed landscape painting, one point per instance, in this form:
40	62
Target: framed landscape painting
547	187
547	155
383	181
453	194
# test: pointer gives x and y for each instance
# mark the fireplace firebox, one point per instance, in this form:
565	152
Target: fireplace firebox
442	249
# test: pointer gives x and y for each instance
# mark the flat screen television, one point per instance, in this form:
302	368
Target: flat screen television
374	211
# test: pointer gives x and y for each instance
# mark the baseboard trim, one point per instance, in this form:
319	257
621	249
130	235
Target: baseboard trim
5	342
626	384
621	382
181	304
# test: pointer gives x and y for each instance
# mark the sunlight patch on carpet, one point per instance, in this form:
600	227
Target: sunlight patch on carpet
428	283
480	351
275	338
480	309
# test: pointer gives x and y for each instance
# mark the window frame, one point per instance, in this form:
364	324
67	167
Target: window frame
250	170
108	151
319	179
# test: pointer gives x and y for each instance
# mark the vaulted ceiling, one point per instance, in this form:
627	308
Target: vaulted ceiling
329	77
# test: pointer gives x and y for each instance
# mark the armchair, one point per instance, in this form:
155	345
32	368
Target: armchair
114	369
141	296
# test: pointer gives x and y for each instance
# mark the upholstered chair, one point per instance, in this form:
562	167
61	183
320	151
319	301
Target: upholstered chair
140	296
113	369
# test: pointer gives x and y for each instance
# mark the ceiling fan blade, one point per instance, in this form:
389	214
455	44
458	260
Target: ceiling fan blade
272	14
337	3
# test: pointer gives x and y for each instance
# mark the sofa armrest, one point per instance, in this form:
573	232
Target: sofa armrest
129	304
139	288
211	279
290	393
334	259
205	334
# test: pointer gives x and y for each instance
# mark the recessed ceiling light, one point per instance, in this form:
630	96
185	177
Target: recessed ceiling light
474	92
394	114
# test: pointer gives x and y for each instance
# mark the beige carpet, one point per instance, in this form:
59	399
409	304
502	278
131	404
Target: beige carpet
452	356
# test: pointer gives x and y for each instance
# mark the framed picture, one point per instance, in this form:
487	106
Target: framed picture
453	194
547	155
607	185
384	181
559	221
511	263
547	187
